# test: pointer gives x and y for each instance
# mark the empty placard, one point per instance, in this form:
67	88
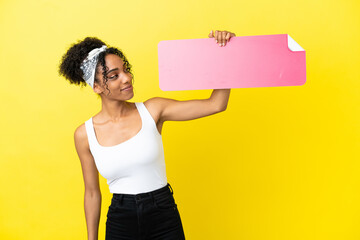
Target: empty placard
245	62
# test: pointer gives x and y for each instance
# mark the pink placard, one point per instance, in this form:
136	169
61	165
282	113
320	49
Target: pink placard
245	62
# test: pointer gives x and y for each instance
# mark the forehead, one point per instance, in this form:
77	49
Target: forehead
112	61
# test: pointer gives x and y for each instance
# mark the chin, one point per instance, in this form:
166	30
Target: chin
131	96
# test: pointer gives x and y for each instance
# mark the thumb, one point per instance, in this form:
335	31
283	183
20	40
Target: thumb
211	34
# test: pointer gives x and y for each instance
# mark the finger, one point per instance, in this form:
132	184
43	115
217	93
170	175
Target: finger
228	35
223	38
216	36
220	38
211	34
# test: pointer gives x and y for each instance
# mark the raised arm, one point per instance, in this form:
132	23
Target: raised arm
174	110
92	196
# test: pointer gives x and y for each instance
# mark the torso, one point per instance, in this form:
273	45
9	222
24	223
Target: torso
110	134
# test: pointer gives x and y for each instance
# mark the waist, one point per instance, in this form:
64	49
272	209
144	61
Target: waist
166	189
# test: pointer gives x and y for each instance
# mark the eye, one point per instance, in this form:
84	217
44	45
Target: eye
114	76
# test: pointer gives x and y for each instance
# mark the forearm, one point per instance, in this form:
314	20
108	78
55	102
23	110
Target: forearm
92	205
220	98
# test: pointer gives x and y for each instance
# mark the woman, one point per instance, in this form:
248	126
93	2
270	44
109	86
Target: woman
123	143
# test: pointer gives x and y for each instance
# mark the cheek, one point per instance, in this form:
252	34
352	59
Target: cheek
111	83
115	85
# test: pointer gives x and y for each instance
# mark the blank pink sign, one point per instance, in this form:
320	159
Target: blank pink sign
245	62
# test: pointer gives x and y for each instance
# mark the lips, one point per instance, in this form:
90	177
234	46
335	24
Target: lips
126	88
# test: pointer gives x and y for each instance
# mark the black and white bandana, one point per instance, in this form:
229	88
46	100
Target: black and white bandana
89	64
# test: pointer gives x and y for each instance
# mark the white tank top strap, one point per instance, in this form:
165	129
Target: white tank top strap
90	132
145	115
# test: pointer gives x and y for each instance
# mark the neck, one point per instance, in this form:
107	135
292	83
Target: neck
114	110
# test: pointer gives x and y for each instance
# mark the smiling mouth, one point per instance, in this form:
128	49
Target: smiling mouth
126	88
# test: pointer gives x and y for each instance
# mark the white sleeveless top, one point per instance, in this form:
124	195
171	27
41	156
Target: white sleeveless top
136	165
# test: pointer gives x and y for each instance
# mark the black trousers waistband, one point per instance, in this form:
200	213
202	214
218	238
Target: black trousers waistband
166	189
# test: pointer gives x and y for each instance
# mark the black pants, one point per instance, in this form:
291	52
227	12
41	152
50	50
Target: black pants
144	216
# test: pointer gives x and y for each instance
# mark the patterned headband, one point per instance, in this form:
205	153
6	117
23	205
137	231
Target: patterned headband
89	64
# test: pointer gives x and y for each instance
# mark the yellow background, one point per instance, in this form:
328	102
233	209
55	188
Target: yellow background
281	163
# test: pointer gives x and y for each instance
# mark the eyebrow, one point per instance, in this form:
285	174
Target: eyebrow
113	69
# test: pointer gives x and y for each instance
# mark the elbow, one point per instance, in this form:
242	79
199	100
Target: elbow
222	108
91	193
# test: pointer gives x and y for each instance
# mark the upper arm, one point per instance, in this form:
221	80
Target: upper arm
89	170
175	110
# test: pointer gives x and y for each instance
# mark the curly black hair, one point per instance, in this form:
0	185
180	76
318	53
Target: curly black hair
69	66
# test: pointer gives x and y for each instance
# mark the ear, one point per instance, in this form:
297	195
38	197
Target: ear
97	88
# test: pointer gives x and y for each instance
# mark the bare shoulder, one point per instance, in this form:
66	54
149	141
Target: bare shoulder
158	103
81	139
154	106
80	132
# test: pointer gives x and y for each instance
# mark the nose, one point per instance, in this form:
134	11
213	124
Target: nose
127	79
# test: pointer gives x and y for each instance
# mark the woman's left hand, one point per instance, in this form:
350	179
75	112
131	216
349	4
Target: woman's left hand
221	37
